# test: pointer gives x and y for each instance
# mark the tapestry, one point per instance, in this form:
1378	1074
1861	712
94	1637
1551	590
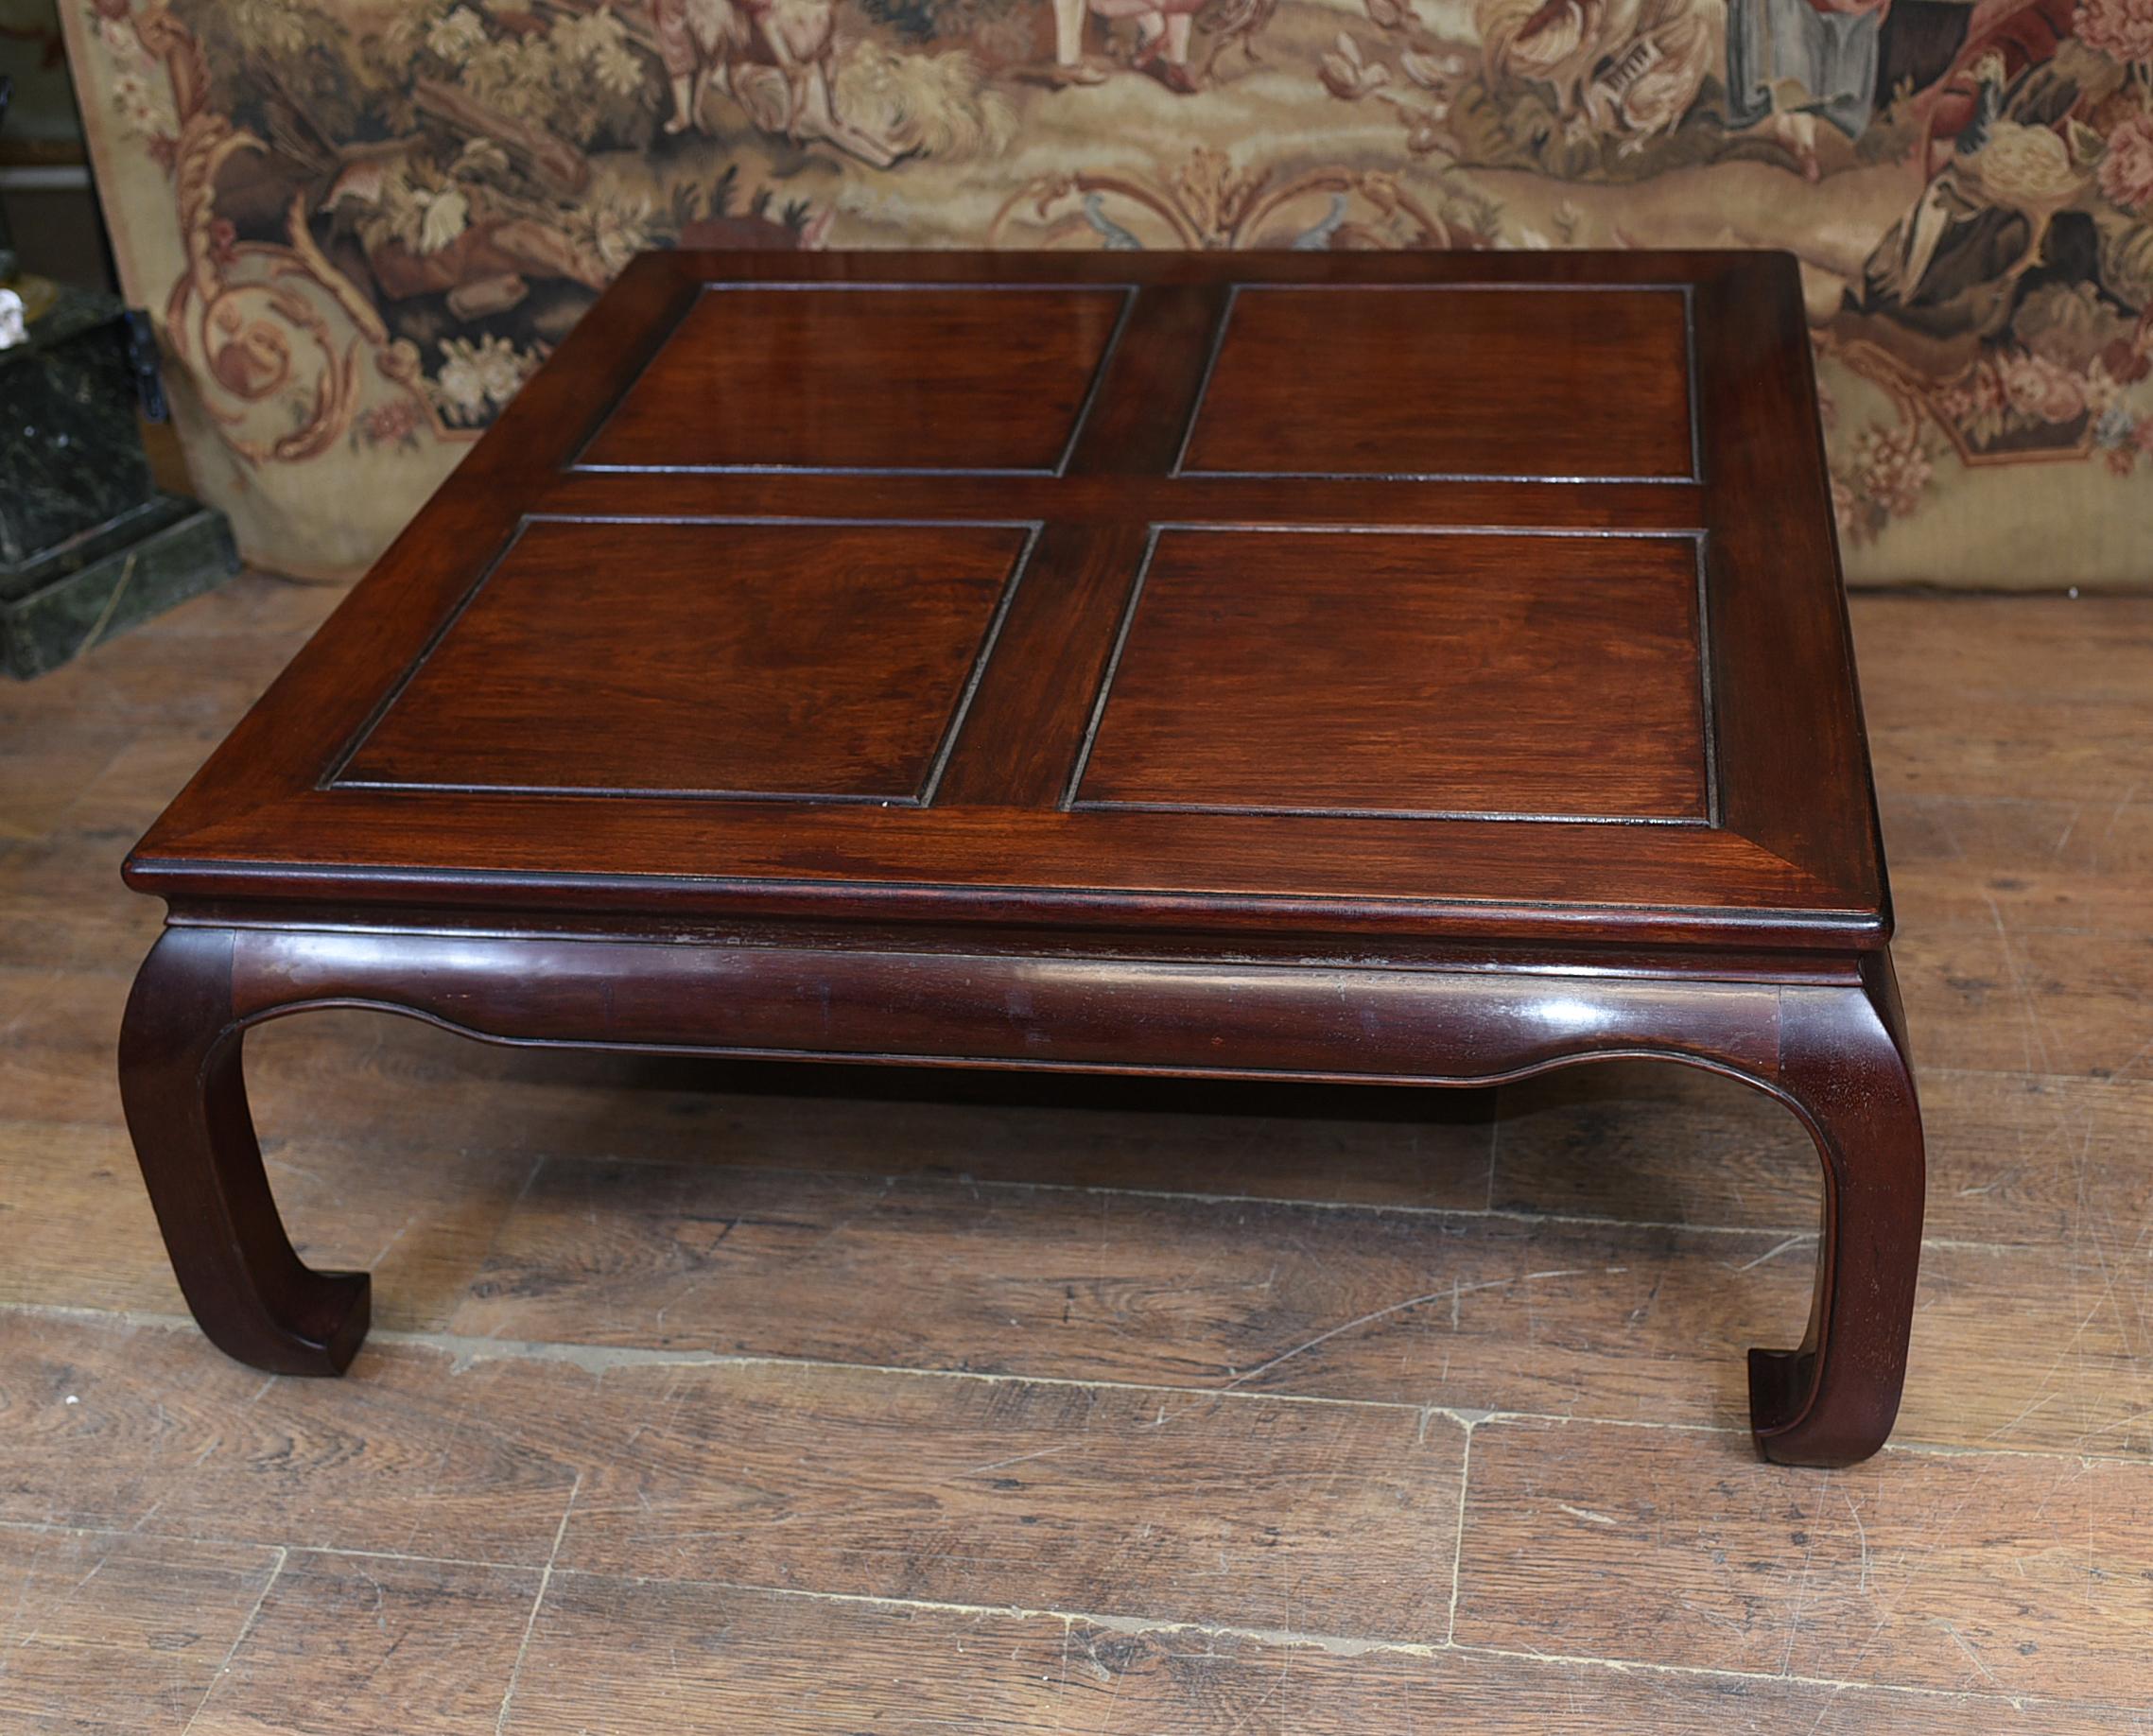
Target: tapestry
361	224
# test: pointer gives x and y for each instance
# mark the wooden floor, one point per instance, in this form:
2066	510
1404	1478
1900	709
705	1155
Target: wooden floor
836	1402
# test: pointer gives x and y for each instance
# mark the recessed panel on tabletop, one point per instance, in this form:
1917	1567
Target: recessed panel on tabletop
868	377
813	661
1409	674
1496	381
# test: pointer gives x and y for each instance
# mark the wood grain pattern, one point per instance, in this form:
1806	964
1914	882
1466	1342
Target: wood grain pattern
76	1230
1375	673
1576	1537
1129	1503
1364	1305
1794	769
1028	718
61	905
108	1633
1145	1504
417	1195
1308	381
51	1023
1225	874
1149	393
2047	863
1785	856
2017	1002
40	779
772	377
2019	1157
185	1442
339	1092
824	660
757	739
356	1645
52	917
609	1655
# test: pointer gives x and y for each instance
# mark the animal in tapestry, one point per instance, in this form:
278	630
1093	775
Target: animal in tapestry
362	224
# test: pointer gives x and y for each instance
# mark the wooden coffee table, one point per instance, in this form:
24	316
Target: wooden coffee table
1351	666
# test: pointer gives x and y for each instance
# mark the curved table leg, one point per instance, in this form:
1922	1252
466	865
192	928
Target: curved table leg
186	1108
1835	1053
1843	1068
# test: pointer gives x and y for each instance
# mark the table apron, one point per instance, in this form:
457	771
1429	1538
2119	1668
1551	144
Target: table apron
1314	1021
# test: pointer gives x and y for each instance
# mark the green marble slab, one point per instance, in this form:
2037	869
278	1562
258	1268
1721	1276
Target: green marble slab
54	608
70	457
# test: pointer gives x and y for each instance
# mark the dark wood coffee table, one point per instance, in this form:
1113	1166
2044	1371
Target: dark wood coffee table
1422	669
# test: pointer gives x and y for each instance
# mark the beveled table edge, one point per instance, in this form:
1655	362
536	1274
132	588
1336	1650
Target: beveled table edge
290	894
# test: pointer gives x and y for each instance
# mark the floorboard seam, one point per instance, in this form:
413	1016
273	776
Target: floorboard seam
1338	1644
598	1358
1458	1546
217	1541
246	1628
1344	1645
538	1602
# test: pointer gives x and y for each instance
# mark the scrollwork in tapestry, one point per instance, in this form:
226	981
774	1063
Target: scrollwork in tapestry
386	232
392	214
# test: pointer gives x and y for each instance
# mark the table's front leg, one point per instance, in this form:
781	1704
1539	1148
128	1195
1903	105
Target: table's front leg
186	1108
1844	1070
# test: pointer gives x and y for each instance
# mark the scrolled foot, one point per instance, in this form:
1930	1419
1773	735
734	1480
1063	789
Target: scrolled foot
1790	1430
1843	1070
316	1331
187	1109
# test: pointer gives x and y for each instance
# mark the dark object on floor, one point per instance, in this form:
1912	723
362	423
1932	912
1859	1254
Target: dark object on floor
88	544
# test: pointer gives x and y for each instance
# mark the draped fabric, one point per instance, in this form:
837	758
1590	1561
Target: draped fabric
360	224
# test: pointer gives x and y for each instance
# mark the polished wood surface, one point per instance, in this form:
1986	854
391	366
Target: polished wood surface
956	379
1408	674
1332	1409
917	721
1548	380
820	662
1791	861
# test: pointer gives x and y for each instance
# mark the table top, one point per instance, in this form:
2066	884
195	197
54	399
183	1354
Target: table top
1487	598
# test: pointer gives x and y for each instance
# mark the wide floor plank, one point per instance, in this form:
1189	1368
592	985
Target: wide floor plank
348	1645
122	1427
104	1632
1555	1316
613	1657
1316	1518
1990	1574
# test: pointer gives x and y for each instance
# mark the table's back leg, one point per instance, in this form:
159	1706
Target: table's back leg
1843	1066
186	1108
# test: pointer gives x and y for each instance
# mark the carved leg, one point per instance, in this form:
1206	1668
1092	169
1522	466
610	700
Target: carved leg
1843	1068
186	1107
